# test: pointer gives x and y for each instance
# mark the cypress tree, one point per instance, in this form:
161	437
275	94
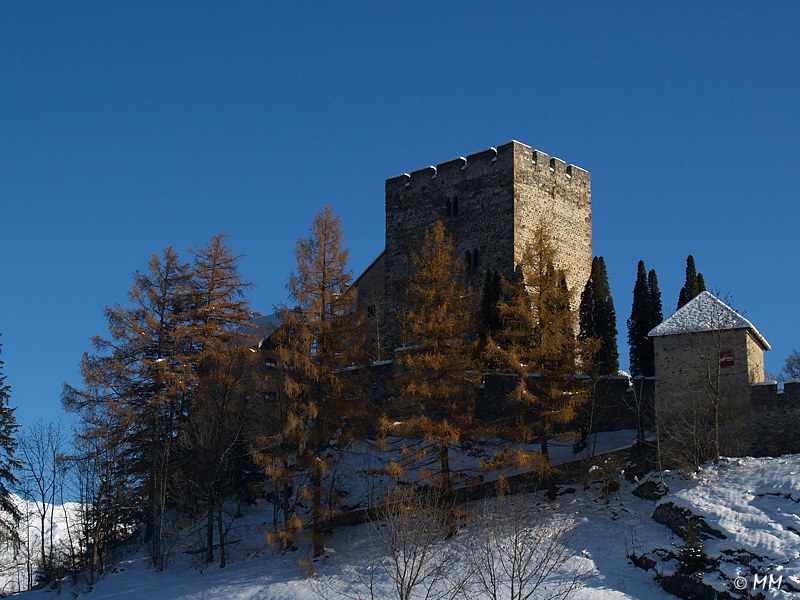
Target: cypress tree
638	325
492	290
9	514
656	313
693	285
598	318
587	308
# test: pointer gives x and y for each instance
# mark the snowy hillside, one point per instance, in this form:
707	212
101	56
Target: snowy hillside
16	562
750	507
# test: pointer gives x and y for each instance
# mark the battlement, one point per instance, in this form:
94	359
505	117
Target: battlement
767	395
490	160
544	164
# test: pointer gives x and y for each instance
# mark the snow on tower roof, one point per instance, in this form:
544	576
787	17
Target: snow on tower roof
706	312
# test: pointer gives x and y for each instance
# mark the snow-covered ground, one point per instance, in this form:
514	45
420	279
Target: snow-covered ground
753	503
751	511
15	562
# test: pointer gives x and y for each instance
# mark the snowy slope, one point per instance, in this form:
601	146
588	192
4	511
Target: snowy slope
752	508
754	503
15	561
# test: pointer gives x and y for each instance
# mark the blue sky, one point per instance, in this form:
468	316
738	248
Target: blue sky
128	127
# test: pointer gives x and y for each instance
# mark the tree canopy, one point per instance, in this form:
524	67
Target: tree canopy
598	319
694	284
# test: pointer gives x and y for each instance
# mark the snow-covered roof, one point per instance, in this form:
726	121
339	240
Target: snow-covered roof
706	312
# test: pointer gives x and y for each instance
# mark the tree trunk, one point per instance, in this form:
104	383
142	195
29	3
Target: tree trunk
444	462
639	412
210	530
221	534
549	479
285	495
45	565
316	526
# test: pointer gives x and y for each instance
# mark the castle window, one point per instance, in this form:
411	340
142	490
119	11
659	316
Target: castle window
371	311
451	208
472	258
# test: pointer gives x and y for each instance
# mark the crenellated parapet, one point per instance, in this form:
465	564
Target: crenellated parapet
767	395
480	164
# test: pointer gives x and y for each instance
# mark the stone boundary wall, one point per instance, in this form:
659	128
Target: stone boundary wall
768	396
614	400
614	397
773	426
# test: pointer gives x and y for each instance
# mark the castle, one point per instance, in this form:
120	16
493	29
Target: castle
491	203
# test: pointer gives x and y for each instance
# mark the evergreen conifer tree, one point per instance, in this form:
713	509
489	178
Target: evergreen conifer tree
492	290
9	513
598	319
639	325
656	313
587	306
693	285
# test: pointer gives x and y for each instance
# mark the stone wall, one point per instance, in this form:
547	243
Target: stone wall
614	400
686	370
560	195
490	203
773	428
473	196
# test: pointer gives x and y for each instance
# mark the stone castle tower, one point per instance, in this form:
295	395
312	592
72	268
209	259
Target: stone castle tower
491	203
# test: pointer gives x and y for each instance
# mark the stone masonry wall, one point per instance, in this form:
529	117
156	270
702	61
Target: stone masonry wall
547	190
370	285
614	404
490	203
686	367
473	196
774	426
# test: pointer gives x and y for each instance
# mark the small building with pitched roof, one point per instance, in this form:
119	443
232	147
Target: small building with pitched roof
707	357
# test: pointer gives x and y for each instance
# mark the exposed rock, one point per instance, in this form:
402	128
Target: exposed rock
642	561
692	588
676	518
650	490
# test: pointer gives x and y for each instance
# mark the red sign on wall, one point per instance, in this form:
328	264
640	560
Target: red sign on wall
726	359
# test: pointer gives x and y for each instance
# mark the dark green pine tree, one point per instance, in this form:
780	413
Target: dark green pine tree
692	559
641	349
9	513
694	283
492	292
656	312
587	307
598	318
